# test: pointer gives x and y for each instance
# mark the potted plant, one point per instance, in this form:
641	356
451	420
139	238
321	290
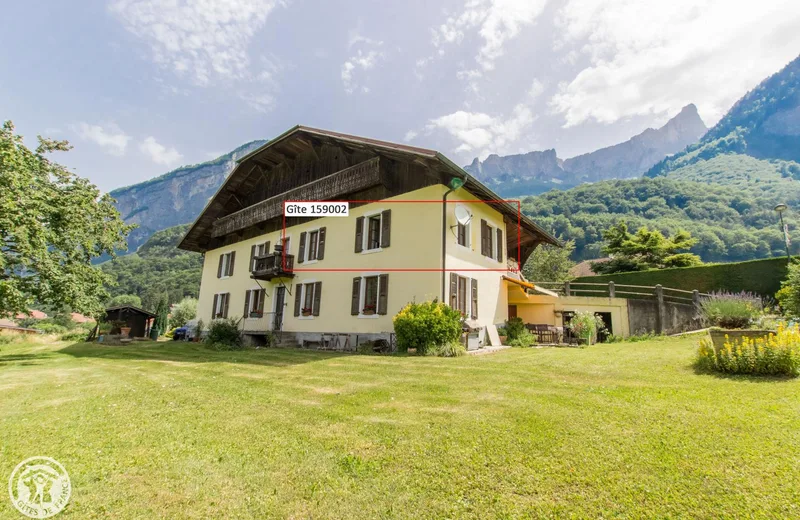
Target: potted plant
584	326
501	331
731	316
369	309
306	311
256	314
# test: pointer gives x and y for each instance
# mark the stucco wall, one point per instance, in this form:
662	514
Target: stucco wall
542	309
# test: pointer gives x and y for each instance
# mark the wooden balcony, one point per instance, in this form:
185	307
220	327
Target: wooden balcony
268	267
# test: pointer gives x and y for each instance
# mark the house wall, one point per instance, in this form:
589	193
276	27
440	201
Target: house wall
415	243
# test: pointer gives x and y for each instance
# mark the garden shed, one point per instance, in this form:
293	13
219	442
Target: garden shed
139	320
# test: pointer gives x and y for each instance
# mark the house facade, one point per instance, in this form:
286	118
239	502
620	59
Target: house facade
418	228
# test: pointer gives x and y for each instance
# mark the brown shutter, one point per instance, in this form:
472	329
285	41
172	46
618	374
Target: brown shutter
321	246
298	288
386	227
356	296
453	290
214	308
317	297
262	297
227	297
230	265
474	299
499	245
219	268
484	238
266	247
302	253
252	256
359	234
246	313
383	293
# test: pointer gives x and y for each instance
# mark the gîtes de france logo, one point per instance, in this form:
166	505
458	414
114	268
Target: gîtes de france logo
39	487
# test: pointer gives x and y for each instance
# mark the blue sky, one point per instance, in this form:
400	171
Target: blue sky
140	87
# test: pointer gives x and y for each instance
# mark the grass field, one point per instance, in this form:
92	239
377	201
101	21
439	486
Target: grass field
623	430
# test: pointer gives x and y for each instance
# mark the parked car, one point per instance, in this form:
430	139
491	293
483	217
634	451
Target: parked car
179	334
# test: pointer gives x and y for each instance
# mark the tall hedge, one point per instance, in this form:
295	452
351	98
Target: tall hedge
758	276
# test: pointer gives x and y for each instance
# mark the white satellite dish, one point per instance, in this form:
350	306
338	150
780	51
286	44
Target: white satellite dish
463	215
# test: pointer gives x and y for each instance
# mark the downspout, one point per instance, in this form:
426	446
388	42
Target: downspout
444	238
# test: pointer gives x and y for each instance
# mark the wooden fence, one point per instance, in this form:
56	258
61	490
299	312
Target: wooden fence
634	292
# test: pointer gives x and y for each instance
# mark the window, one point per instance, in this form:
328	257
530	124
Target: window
462	234
373	232
307	299
312	245
370	295
226	261
256	251
254	303
464	295
219	308
492	241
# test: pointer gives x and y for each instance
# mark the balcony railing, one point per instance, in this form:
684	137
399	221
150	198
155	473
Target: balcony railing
273	265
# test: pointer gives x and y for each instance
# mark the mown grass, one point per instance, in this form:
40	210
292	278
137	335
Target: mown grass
621	430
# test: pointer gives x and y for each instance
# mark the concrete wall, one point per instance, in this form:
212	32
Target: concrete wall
676	317
547	309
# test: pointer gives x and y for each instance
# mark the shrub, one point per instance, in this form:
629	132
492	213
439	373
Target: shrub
183	311
76	335
10	337
789	294
514	328
451	349
585	324
775	354
426	325
224	334
50	328
729	310
524	339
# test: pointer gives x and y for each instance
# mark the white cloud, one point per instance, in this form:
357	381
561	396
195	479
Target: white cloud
652	57
205	41
360	61
159	153
108	136
410	136
495	21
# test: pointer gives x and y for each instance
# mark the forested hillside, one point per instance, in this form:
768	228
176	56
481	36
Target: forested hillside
158	267
730	223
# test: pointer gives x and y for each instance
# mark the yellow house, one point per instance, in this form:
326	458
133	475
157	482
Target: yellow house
418	228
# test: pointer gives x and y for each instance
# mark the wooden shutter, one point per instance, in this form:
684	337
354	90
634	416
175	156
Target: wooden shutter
302	253
359	234
383	293
227	299
266	247
317	298
356	296
262	297
219	268
474	299
484	238
252	257
230	264
499	245
321	244
246	313
214	308
298	288
386	227
454	290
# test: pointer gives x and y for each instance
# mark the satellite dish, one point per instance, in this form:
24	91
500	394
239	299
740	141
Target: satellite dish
463	215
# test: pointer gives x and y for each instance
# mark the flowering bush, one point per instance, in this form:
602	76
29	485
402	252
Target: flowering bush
774	354
427	325
731	310
585	324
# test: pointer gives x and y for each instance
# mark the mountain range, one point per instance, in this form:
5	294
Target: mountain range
536	172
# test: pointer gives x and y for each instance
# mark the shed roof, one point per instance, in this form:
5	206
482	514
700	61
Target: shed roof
131	307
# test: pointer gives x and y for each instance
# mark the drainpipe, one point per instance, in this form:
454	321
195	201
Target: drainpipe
455	183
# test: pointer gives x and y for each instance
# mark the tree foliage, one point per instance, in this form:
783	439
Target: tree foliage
550	263
789	295
125	299
645	249
52	224
183	311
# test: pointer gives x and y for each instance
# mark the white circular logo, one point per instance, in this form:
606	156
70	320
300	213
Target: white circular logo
39	487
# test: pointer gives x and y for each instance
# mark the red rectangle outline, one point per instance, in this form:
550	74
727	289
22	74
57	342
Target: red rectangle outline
410	269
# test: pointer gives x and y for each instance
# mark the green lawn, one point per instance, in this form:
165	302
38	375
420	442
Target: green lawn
624	430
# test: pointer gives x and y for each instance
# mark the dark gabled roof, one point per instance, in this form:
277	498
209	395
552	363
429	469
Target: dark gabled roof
131	307
471	184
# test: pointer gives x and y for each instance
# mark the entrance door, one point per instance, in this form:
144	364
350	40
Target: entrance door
512	311
280	298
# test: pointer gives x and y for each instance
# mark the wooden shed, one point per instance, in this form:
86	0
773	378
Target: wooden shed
139	320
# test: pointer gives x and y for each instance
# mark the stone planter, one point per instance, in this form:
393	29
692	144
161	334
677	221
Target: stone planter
367	313
503	340
125	331
734	335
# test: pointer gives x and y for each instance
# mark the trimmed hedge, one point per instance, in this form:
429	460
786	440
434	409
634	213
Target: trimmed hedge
761	277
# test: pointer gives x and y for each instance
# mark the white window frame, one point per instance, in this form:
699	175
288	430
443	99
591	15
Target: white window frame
307	252
250	307
304	285
281	241
226	263
362	296
220	306
365	232
467	232
467	295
